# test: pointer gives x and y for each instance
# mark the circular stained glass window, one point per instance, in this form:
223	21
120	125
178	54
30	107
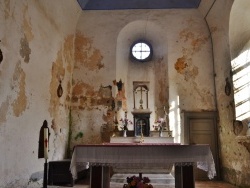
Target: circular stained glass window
141	51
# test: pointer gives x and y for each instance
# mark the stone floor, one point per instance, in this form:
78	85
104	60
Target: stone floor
157	180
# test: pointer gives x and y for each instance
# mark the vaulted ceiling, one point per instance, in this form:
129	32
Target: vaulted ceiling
137	4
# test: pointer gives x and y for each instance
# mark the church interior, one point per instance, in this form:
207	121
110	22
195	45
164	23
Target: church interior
156	72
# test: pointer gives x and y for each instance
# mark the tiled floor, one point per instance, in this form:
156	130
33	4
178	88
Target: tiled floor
199	184
117	181
213	184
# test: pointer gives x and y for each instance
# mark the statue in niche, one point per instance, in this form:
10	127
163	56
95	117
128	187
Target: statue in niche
121	101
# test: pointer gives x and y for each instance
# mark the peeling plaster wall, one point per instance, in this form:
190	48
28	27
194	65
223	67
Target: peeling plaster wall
44	44
234	157
37	39
193	51
236	168
182	63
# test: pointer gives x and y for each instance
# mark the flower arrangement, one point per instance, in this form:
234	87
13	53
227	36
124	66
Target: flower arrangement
125	122
137	182
161	124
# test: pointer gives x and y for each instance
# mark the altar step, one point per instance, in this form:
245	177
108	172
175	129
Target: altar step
157	180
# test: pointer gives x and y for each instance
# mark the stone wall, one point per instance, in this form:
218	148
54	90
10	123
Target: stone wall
234	157
179	73
48	43
37	44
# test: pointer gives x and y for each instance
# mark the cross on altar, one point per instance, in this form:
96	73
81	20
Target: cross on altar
141	123
141	90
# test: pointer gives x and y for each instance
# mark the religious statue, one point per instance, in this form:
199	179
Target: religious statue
121	101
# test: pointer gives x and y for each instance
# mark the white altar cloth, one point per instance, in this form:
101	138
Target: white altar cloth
144	155
158	140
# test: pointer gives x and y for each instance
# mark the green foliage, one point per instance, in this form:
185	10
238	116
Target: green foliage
79	135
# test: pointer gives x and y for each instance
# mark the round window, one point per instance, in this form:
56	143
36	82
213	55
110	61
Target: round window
141	51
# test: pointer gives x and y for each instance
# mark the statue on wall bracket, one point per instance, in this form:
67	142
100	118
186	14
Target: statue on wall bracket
121	101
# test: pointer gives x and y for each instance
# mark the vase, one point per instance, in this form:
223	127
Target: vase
160	133
124	133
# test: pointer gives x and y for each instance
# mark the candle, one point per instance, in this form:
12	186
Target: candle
46	143
156	116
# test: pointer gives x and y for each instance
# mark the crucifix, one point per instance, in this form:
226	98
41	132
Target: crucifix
141	112
140	127
141	123
140	90
141	101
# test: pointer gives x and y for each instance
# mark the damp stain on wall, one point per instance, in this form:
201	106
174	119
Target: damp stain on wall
83	89
7	11
4	107
161	83
181	65
42	10
57	73
185	67
62	66
27	29
193	43
25	50
61	73
194	40
84	96
68	52
86	55
191	73
20	103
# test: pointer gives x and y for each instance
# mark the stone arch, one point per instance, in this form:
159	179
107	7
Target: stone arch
129	71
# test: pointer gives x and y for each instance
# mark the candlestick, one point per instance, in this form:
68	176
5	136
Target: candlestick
156	115
46	143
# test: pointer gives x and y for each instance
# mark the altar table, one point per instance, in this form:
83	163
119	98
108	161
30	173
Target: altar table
101	157
157	140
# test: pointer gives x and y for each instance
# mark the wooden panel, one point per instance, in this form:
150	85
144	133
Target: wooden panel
200	128
202	132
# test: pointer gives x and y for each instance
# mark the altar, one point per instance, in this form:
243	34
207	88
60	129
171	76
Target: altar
101	157
153	140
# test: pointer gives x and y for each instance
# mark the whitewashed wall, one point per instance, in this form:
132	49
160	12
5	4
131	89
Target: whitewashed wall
45	41
236	167
182	62
37	40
